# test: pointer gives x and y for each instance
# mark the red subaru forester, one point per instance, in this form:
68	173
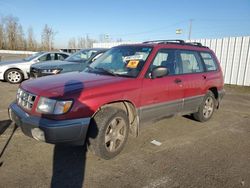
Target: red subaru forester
127	87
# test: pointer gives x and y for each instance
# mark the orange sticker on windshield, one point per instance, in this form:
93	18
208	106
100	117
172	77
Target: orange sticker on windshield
132	64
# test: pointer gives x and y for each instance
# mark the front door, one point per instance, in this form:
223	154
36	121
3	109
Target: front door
162	97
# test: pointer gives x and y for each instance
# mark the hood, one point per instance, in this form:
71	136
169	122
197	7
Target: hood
2	63
68	83
52	64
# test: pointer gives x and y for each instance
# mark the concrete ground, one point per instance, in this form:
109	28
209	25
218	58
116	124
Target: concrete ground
192	154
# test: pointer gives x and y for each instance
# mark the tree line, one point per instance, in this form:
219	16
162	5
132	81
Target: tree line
81	42
13	37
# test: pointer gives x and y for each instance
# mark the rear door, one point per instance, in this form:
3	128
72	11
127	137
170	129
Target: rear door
193	79
162	97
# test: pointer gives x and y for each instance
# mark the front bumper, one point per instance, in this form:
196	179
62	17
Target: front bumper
72	131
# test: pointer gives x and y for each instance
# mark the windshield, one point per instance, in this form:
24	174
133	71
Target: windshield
33	56
82	55
121	61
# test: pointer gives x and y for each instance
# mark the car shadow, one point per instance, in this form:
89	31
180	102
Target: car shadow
68	166
3	127
190	117
69	161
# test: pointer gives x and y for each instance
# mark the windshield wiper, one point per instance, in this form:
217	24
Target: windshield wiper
106	71
100	69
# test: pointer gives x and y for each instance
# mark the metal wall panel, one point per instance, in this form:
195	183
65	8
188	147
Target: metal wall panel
243	60
236	60
247	70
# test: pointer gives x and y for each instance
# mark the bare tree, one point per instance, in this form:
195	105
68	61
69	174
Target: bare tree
89	42
2	37
11	31
81	43
72	43
20	39
48	38
31	42
85	42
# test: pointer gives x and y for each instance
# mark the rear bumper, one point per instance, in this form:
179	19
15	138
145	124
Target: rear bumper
72	131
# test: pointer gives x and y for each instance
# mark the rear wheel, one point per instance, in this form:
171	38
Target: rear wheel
206	108
111	126
13	76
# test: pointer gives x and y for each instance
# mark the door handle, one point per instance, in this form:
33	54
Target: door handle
177	81
204	76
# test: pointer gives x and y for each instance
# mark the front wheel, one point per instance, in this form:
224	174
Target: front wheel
111	126
14	76
206	108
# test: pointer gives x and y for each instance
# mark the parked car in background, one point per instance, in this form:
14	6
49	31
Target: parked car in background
16	71
76	62
127	87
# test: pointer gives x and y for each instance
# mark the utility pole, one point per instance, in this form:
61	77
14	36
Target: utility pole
190	29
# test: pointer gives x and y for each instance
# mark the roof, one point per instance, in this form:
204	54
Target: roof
171	44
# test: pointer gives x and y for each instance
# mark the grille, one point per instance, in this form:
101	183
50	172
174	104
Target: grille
25	99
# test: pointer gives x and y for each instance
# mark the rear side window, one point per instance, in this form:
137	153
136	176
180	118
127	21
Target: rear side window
209	61
61	56
190	62
47	57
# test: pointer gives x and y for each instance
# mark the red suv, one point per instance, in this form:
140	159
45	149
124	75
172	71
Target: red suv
129	86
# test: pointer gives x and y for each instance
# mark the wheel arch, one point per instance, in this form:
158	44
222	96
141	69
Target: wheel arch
13	68
214	90
130	110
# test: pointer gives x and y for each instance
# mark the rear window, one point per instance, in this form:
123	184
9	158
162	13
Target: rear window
209	61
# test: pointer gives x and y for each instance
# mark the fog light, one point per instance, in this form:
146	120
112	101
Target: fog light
38	134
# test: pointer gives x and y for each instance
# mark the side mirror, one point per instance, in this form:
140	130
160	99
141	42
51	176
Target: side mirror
96	57
159	72
36	61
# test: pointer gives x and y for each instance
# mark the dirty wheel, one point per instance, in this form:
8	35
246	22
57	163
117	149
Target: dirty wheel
13	76
206	109
111	127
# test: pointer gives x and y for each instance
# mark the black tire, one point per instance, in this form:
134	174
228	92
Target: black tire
206	108
102	129
13	76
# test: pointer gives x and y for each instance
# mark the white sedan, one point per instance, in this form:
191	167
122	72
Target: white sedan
16	71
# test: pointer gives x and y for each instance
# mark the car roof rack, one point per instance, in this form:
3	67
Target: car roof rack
164	41
181	42
195	43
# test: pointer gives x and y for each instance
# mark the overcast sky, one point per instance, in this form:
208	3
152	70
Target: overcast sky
132	20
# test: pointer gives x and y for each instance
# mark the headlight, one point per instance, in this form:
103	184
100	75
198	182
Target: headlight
51	106
51	71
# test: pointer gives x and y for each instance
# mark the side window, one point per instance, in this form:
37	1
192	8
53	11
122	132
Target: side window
61	56
209	61
47	57
43	58
52	57
96	57
190	62
166	58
